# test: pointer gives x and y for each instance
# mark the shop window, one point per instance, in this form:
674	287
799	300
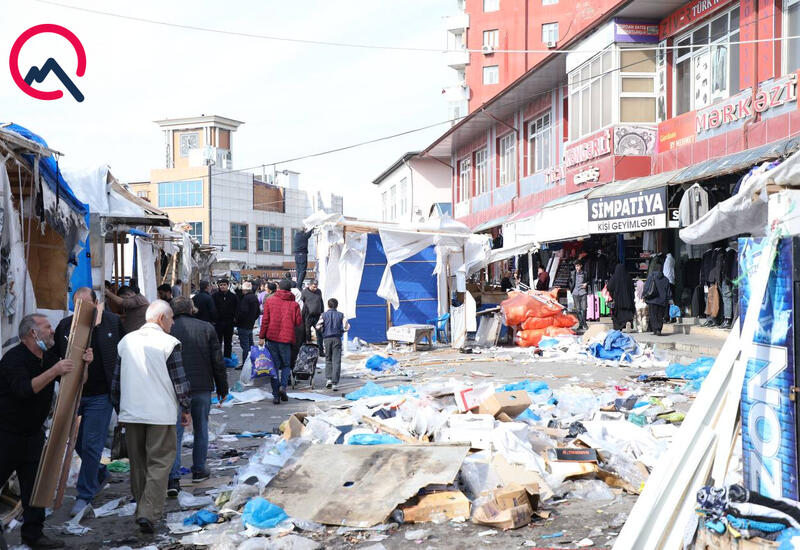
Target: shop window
707	63
269	239
239	237
507	153
464	174
481	172
539	144
591	95
792	28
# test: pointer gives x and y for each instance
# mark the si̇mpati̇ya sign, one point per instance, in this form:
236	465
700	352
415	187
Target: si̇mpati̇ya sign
637	211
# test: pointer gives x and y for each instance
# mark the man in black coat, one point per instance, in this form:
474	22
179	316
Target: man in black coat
249	310
226	304
301	254
205	371
206	311
95	406
312	309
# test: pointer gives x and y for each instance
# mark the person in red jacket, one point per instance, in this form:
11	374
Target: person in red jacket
281	316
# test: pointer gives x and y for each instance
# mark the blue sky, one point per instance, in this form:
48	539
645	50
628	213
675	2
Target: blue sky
295	99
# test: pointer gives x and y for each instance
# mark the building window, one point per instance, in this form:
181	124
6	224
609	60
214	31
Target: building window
143	195
385	203
591	95
269	239
549	2
507	153
491	5
403	196
539	144
189	141
481	172
239	237
491	74
393	203
179	194
196	230
792	28
464	174
637	98
707	63
491	39
549	33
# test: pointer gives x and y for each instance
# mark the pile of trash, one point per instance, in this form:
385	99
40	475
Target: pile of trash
499	455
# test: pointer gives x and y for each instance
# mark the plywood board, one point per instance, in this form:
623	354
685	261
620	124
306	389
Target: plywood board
54	454
359	486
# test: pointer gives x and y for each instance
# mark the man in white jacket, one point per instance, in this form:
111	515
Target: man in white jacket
148	388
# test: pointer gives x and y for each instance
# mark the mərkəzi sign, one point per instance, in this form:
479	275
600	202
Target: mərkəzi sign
637	211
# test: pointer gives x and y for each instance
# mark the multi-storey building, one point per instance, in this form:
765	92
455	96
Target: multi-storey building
251	217
412	187
483	35
609	131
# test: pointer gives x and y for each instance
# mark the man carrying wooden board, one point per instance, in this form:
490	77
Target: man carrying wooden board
27	379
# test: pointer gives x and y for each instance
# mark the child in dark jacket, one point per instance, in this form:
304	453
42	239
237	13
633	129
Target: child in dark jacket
333	326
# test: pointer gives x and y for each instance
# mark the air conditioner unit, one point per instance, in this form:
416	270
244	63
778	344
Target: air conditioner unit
487	49
551	44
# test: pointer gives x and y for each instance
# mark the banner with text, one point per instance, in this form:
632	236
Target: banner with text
637	211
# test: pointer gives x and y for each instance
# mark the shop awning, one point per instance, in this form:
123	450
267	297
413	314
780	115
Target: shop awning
738	161
562	219
633	185
491	223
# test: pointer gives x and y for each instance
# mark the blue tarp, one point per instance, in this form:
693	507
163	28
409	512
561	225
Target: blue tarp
416	289
616	346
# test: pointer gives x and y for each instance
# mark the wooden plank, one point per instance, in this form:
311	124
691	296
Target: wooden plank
69	395
359	485
380	426
65	467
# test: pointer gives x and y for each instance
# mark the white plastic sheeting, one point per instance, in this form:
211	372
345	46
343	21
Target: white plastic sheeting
746	211
16	295
341	264
144	267
90	185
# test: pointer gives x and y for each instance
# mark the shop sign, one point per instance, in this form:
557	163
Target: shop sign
687	14
591	148
589	175
626	30
637	211
677	131
743	105
555	175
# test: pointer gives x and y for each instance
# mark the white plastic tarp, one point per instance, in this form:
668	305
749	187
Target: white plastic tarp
144	267
746	211
90	185
341	267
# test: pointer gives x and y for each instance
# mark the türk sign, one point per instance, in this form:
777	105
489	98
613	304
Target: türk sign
639	211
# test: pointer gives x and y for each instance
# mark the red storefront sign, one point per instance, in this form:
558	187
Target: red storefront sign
594	146
677	131
686	15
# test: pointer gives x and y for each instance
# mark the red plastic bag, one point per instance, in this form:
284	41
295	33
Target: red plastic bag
533	323
529	338
565	321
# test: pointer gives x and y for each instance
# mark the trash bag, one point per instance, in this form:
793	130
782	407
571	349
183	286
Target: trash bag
261	363
564	321
380	363
201	518
533	323
558	331
373	439
232	362
371	389
674	312
529	338
515	309
262	514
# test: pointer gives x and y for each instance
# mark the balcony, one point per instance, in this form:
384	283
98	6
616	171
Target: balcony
457	93
457	59
457	22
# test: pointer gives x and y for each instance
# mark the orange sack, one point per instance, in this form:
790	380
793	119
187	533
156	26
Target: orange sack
521	306
532	323
566	320
557	331
529	338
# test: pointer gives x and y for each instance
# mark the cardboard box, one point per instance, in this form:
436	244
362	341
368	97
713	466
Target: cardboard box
467	399
473	428
294	426
511	403
453	504
509	508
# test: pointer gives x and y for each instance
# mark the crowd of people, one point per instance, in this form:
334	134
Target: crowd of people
157	365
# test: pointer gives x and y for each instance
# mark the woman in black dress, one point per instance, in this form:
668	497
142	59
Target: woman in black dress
623	308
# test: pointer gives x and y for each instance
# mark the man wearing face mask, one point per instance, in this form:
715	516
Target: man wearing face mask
27	379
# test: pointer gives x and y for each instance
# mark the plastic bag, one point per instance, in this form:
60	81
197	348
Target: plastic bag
201	518
262	363
371	389
380	363
262	514
373	439
246	376
534	323
232	362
